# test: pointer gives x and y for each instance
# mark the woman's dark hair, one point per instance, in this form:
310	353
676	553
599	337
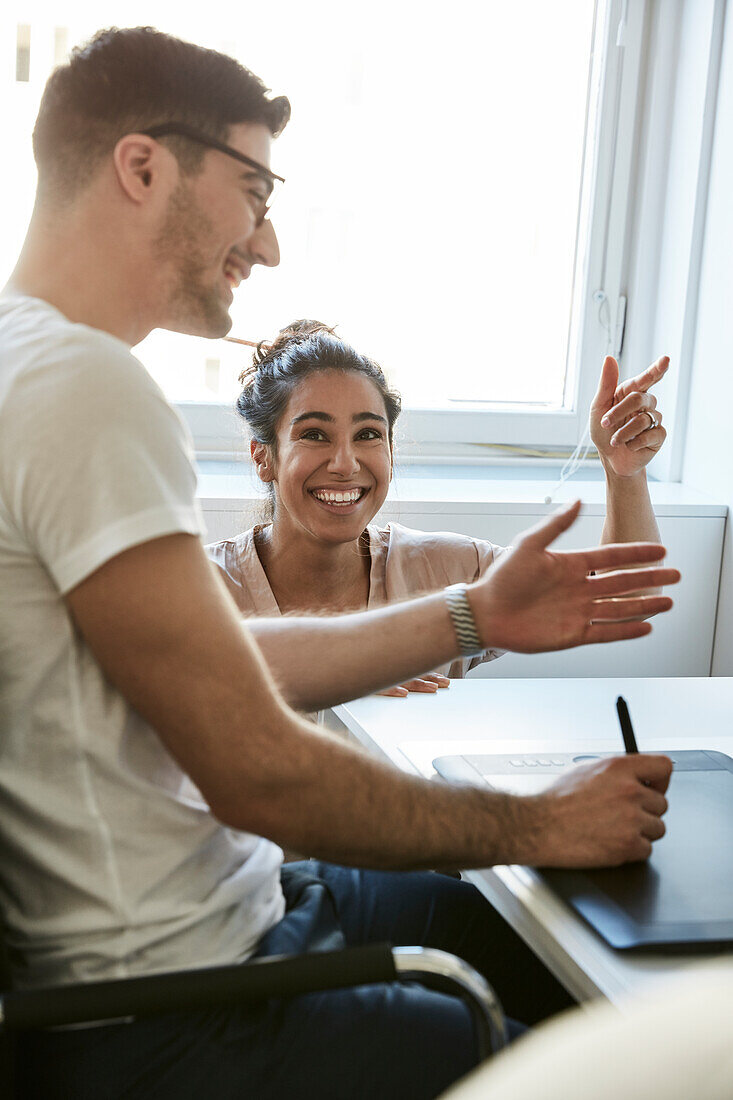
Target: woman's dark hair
131	79
301	349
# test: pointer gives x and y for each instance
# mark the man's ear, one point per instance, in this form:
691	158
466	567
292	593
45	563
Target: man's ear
140	162
262	461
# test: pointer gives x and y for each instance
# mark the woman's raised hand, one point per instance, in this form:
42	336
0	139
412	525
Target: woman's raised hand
625	423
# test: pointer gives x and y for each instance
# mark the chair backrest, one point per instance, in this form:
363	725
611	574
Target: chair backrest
5	980
7	1045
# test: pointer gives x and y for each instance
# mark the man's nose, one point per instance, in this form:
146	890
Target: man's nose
263	247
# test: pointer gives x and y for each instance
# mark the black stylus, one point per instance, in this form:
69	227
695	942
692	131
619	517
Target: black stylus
627	730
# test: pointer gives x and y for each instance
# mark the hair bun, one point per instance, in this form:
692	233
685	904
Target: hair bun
291	334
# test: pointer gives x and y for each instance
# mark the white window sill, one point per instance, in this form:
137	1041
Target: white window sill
497	489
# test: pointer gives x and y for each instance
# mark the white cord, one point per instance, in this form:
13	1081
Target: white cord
622	25
579	455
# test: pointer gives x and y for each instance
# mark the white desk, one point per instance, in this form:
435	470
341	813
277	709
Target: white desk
536	716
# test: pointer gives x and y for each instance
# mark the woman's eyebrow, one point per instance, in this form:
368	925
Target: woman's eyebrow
356	418
311	416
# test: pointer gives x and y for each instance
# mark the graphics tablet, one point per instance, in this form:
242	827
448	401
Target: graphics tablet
684	893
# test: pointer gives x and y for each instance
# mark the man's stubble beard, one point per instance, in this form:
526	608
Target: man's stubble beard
194	305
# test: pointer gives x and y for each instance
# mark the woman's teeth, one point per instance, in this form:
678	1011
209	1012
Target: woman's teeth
329	496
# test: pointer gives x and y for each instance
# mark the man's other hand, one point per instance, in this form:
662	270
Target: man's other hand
602	814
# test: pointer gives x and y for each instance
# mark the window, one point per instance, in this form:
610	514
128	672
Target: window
452	198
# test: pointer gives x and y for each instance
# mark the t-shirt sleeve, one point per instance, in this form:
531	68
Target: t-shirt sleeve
93	459
223	556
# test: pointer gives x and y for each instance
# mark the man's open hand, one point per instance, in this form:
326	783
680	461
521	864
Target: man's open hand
537	599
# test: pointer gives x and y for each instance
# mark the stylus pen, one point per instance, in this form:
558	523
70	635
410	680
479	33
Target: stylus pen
627	730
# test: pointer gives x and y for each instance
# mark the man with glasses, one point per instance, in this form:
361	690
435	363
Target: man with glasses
126	674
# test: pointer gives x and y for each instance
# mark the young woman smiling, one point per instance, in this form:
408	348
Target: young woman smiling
321	419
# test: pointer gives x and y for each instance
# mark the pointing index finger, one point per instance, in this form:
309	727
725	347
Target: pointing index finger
644	381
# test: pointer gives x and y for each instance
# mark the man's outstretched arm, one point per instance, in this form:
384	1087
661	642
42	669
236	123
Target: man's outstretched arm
168	638
533	599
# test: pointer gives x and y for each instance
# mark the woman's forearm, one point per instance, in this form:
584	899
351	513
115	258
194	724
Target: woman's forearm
629	513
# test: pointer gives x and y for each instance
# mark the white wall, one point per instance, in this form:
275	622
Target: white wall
708	456
692	529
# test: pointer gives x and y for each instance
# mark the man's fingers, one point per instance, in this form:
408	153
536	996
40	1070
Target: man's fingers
643	851
630	581
619	554
629	607
542	534
654	801
599	633
653	828
652	769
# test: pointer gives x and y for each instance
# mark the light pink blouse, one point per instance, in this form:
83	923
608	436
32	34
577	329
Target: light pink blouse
404	563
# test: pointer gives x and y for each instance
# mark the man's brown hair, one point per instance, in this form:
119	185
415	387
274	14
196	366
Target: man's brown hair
129	80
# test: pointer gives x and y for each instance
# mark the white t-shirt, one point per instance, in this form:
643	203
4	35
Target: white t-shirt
109	862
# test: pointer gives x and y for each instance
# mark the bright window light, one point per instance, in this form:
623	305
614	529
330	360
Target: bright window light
433	165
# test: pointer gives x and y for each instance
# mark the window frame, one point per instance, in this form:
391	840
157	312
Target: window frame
605	214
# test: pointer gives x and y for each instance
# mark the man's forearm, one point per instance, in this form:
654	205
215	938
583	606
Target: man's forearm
166	636
289	781
529	601
319	662
327	798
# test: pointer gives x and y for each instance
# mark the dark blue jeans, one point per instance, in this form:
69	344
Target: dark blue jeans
375	1041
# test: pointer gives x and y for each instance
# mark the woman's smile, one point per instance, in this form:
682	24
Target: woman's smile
340	499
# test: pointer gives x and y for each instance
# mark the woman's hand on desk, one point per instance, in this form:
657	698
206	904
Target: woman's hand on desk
429	683
603	814
535	599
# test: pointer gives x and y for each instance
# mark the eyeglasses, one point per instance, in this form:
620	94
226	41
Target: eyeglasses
270	179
